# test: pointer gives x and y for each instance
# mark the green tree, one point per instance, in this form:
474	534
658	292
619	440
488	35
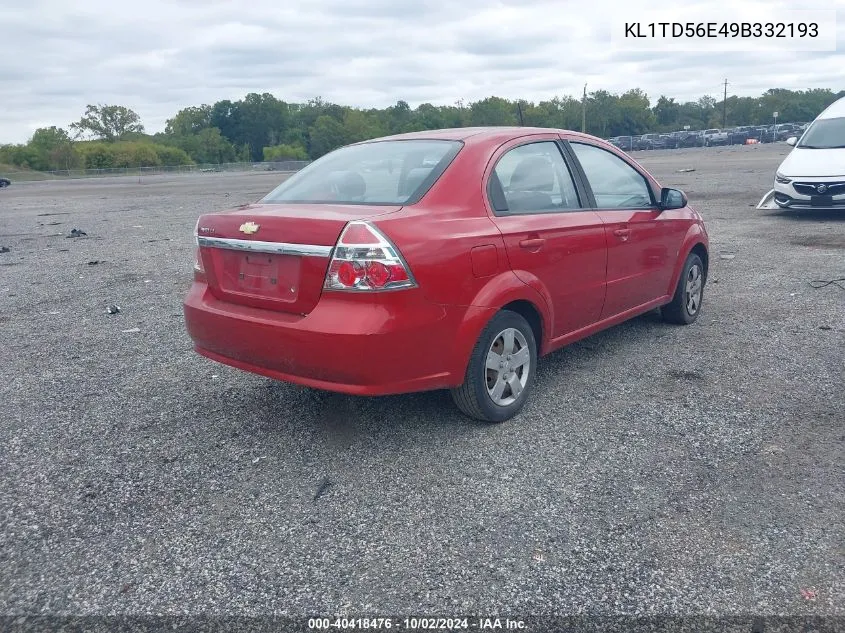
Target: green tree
97	156
168	155
285	152
108	122
54	149
399	118
134	154
667	112
359	126
493	111
326	135
205	147
188	121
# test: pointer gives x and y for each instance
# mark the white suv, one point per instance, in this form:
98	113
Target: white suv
812	176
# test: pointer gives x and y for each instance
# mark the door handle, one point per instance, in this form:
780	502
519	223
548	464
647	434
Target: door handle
533	243
622	234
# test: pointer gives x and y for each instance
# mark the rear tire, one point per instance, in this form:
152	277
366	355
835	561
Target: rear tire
686	303
501	370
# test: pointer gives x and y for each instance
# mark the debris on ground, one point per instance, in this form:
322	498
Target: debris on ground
823	283
686	171
132	330
77	233
321	489
113	309
258	459
808	594
727	256
5	249
94	262
825	327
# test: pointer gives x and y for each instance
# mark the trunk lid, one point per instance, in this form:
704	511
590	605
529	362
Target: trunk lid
274	256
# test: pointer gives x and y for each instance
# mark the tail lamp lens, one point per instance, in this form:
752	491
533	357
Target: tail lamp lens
364	259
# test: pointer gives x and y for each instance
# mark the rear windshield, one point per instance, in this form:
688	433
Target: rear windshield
824	134
379	172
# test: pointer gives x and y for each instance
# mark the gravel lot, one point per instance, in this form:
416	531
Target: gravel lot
658	469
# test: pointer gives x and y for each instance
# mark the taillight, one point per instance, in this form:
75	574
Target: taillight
199	269
364	259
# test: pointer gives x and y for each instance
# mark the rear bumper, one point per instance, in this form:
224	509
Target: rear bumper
374	344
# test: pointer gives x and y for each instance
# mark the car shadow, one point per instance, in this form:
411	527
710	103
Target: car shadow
808	215
287	410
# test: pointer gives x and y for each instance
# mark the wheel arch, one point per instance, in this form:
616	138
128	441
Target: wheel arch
695	242
504	292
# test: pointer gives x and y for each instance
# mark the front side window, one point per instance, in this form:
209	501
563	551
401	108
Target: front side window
615	184
376	173
824	134
532	178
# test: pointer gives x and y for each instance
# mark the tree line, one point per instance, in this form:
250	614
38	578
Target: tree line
261	127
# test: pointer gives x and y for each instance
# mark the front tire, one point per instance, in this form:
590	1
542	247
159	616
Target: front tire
501	370
686	303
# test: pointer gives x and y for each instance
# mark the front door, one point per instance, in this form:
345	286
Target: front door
643	243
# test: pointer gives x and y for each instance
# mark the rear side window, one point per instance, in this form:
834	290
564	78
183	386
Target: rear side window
532	178
376	173
615	184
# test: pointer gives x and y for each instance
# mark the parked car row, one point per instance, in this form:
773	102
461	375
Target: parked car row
710	137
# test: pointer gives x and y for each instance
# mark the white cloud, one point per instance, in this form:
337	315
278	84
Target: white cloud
162	55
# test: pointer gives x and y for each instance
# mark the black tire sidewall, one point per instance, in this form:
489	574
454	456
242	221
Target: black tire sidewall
476	370
692	260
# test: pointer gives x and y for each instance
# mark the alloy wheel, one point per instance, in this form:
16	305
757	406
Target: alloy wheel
692	289
508	367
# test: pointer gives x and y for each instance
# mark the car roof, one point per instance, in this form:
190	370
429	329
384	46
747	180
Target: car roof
480	134
834	110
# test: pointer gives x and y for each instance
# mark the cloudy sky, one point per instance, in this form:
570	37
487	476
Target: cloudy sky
158	56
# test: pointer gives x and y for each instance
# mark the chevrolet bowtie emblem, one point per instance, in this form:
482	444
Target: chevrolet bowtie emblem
249	228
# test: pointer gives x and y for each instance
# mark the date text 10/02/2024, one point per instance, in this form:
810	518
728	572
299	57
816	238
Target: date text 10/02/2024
418	624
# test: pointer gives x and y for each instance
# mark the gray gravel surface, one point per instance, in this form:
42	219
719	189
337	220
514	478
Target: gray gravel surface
657	468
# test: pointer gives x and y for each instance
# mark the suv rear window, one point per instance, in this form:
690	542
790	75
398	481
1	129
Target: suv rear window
373	173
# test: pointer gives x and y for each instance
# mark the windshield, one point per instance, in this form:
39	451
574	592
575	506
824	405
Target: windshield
824	134
380	172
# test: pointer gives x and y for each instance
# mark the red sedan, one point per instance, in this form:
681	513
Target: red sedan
447	259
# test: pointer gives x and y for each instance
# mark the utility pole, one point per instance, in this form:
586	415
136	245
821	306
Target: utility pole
725	106
584	110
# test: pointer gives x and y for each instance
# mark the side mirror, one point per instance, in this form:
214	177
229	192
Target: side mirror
792	140
672	199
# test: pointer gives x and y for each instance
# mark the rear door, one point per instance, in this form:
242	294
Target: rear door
551	239
643	243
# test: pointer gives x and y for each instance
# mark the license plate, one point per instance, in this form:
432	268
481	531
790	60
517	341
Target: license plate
259	275
821	201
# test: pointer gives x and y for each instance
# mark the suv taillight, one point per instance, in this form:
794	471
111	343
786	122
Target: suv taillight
364	259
